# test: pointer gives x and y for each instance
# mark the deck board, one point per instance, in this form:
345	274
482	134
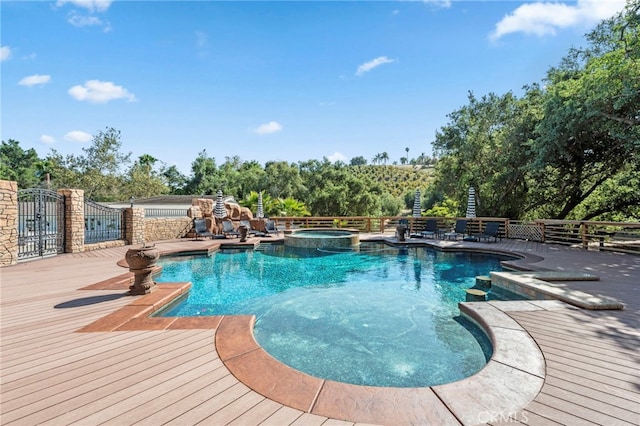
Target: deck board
171	393
128	403
52	374
256	414
52	401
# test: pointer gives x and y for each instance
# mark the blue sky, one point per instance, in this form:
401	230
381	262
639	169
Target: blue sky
269	80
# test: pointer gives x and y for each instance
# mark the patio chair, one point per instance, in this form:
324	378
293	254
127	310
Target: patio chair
228	229
201	230
460	229
430	229
491	230
270	227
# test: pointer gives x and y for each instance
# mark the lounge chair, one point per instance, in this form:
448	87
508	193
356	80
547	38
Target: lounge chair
228	229
271	228
201	230
491	230
460	229
430	229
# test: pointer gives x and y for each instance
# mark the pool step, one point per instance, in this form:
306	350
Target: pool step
475	295
483	282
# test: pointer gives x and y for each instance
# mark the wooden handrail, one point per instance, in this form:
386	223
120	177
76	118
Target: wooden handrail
623	236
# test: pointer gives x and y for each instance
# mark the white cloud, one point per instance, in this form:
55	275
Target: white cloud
87	18
84	21
337	156
5	53
96	91
90	5
268	128
78	136
35	79
438	3
545	18
47	139
368	66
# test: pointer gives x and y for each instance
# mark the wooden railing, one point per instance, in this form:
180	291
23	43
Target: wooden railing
618	236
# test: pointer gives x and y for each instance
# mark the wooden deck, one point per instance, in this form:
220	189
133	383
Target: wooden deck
51	374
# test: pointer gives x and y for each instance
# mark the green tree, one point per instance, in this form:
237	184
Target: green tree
143	180
589	135
174	179
64	172
44	169
291	207
484	146
384	157
98	171
332	190
390	205
358	161
283	180
445	208
203	172
19	165
269	205
251	178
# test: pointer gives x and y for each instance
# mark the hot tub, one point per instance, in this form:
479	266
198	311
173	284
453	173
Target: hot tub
314	238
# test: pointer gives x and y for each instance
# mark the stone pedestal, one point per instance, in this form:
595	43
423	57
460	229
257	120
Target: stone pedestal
142	262
243	233
401	232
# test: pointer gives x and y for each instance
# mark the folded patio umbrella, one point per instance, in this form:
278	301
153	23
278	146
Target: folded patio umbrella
471	202
219	210
260	212
416	205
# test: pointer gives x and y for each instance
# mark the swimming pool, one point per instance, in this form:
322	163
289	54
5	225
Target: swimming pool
380	316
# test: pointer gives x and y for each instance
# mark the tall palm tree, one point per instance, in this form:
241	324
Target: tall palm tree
384	157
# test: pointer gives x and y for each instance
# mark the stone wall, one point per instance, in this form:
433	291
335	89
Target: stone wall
74	220
8	222
104	245
166	228
134	225
138	229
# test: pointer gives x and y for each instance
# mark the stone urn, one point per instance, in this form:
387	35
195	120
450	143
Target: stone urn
142	262
243	233
401	232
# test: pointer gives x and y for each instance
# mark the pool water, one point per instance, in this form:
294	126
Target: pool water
380	316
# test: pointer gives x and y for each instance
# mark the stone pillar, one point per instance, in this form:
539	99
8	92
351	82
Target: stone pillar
134	218
74	220
8	222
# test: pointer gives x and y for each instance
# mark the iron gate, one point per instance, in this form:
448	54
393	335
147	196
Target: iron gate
40	223
102	223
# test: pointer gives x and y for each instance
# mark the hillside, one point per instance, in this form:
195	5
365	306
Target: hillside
397	179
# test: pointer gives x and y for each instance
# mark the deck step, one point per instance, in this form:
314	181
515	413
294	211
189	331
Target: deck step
536	286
